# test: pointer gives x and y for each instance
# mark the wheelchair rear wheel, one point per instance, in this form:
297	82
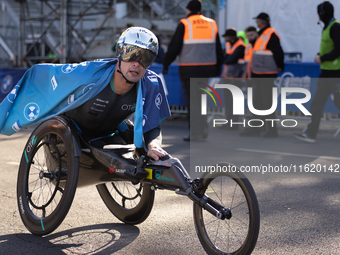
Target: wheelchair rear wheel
130	203
47	178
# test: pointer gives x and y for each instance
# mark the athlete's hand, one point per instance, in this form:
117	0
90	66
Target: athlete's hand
155	151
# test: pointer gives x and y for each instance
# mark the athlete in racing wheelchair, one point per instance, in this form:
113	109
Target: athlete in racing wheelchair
73	136
99	117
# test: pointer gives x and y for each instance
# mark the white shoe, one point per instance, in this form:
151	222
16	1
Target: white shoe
304	137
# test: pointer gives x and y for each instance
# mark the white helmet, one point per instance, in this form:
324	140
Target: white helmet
137	44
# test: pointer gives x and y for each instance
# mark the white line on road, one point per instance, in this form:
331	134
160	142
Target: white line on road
13	163
288	154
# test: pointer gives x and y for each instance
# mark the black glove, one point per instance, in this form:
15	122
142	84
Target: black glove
165	70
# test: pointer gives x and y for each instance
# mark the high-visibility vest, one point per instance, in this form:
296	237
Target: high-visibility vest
235	70
199	41
248	53
326	46
262	61
230	49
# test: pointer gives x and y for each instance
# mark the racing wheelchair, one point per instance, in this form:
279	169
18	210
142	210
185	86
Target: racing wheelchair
56	160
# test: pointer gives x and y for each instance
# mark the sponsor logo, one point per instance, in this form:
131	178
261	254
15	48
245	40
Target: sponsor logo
21	205
13	94
120	171
153	79
31	144
16	126
287	79
128	107
145	118
159	176
31	111
54	83
140	43
70	99
88	88
6	84
158	101
69	68
102	101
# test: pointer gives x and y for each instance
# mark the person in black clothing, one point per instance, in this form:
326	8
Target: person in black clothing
267	61
234	57
160	54
329	59
233	71
196	70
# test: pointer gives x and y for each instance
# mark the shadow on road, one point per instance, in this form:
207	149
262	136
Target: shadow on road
94	239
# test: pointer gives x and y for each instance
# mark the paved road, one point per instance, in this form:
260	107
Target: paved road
299	215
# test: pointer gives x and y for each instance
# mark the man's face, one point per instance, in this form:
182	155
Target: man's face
251	36
133	71
259	23
229	39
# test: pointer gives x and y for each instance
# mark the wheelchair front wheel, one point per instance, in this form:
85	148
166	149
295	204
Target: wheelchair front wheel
238	234
47	177
130	203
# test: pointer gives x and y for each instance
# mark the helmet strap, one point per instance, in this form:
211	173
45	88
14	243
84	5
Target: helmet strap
126	80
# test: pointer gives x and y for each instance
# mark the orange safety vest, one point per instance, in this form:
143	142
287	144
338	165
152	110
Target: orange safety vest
199	41
248	53
262	61
230	50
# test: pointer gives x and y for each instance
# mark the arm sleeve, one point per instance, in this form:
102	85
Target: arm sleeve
275	46
155	135
175	45
335	35
233	58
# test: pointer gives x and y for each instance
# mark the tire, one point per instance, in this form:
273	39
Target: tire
237	235
131	204
47	178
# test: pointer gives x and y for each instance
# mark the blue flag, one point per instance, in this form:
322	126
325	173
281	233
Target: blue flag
47	90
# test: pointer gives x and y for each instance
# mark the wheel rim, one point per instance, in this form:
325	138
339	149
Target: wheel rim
125	194
228	236
43	189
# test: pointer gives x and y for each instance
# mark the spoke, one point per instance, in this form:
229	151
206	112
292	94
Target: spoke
218	227
34	181
215	219
219	198
244	223
232	200
234	234
238	205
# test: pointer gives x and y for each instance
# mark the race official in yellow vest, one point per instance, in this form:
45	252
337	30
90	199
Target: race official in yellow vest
329	60
197	44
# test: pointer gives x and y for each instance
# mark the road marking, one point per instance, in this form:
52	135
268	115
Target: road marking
288	154
13	163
